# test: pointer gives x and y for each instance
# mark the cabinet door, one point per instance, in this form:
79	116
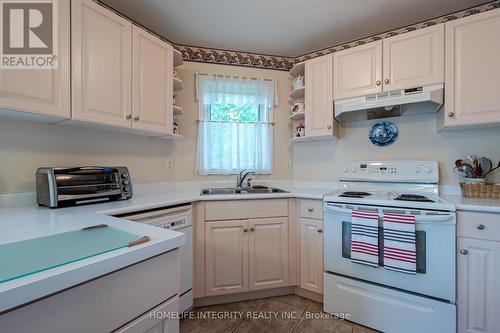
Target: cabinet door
472	70
42	91
319	97
357	71
311	255
414	59
268	253
226	257
152	83
102	65
478	288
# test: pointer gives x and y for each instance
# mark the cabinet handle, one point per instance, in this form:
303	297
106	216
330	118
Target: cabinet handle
386	81
310	209
245	230
329	126
129	116
480	226
252	228
320	231
451	114
378	83
137	118
464	252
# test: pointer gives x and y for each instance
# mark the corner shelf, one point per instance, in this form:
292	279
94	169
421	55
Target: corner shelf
300	139
177	58
177	110
298	93
172	137
178	85
298	69
297	116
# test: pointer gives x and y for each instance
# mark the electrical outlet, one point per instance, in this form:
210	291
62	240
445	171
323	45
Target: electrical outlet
288	165
169	165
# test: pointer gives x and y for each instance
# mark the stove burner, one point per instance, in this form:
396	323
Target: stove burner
354	194
413	197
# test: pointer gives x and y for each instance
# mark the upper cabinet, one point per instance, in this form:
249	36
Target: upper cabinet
405	61
414	59
357	71
44	92
152	83
319	120
472	71
102	71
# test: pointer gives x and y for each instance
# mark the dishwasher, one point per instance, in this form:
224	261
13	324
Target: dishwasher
178	219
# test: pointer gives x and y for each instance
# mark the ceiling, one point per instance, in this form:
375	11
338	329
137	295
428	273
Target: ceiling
279	27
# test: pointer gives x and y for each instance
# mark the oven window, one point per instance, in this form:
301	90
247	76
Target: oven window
420	246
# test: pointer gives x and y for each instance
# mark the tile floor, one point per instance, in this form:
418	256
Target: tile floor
284	314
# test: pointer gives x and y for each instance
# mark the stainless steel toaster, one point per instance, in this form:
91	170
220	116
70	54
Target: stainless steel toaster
61	187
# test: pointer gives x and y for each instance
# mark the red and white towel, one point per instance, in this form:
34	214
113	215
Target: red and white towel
399	243
364	238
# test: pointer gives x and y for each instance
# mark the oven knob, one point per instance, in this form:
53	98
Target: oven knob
428	169
346	169
417	169
125	175
125	182
353	169
126	188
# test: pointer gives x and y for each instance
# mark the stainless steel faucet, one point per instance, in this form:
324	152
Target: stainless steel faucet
241	177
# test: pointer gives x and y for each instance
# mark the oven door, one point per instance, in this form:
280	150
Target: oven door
435	245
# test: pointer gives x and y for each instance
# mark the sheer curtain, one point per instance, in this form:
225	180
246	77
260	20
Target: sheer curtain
225	147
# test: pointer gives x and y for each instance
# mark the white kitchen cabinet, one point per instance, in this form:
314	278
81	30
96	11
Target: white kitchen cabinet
357	71
311	255
156	320
472	71
226	257
42	92
268	253
319	120
102	65
478	262
152	83
414	59
478	287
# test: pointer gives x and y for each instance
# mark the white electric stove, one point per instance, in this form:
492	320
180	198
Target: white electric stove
384	299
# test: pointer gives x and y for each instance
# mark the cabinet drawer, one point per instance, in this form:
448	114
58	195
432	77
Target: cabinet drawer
244	209
312	209
108	302
479	225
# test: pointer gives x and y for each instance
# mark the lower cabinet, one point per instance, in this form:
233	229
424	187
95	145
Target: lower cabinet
162	319
478	269
226	257
245	255
311	255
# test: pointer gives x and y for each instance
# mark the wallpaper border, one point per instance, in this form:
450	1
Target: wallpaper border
273	62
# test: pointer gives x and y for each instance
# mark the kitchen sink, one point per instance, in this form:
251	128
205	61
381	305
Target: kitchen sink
246	190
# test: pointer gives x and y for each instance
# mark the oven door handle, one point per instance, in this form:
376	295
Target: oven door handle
421	219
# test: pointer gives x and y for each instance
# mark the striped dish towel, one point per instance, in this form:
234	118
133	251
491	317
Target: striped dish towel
364	237
399	243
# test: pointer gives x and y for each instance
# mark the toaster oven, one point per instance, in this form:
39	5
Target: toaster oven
61	187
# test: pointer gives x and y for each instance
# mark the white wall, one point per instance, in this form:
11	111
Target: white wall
418	140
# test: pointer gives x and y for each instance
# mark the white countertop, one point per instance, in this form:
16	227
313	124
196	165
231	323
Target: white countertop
30	221
474	205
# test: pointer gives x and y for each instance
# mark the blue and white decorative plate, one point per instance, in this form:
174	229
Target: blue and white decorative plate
383	134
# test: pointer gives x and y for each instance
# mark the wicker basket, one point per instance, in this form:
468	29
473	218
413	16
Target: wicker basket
481	191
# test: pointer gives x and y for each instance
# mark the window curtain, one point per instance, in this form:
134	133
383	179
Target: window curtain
226	147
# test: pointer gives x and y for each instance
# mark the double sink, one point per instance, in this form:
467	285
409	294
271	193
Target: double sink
244	190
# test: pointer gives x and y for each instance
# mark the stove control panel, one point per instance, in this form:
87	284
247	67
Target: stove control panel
425	172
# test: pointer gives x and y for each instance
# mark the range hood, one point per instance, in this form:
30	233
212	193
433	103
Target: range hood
395	103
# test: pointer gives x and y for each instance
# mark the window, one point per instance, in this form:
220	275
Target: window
234	129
